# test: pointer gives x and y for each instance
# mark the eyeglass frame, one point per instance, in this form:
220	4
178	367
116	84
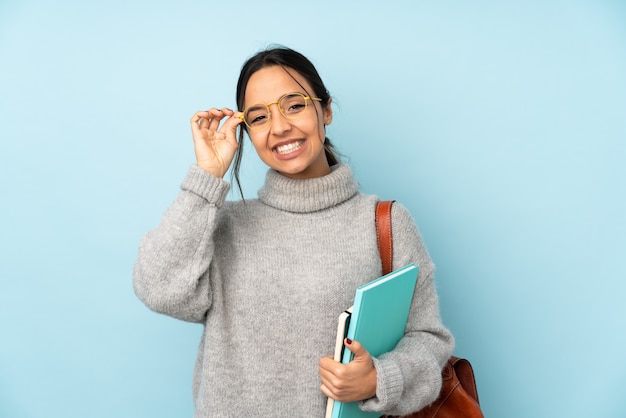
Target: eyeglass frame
280	109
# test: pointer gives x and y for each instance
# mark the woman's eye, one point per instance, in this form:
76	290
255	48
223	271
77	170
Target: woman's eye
293	103
296	107
256	119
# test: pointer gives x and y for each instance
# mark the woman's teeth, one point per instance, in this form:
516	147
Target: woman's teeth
286	149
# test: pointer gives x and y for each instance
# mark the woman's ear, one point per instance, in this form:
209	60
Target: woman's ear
328	113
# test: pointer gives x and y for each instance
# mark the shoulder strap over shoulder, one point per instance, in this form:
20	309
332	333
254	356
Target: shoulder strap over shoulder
384	235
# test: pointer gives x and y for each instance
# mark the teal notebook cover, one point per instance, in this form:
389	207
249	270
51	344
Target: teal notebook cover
379	316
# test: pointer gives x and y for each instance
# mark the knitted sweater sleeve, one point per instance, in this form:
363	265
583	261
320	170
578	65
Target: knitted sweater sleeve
169	273
409	377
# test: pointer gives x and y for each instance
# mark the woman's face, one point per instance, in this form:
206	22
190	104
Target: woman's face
293	147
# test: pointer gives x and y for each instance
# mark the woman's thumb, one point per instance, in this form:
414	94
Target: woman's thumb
357	349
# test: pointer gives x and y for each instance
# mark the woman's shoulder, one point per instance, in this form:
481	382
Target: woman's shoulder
402	220
398	209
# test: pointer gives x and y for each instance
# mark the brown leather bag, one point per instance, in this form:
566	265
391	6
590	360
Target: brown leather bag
458	397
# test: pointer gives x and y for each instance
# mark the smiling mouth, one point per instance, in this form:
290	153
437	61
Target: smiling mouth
287	148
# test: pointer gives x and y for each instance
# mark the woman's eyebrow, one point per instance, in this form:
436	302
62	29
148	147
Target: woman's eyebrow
257	106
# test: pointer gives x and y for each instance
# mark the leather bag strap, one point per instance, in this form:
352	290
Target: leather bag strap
384	235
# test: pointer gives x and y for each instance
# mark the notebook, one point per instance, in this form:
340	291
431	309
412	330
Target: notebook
378	320
342	330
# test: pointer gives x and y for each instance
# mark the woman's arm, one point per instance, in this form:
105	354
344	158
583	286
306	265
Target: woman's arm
170	274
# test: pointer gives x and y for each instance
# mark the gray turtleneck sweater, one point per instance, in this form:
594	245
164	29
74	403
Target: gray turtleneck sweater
268	278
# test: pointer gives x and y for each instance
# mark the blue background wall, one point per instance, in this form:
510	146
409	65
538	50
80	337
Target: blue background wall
500	125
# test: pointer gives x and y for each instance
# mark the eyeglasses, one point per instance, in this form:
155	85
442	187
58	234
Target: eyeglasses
291	106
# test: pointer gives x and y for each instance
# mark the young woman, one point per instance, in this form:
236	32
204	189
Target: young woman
267	277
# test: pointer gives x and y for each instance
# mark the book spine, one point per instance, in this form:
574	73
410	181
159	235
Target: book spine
354	320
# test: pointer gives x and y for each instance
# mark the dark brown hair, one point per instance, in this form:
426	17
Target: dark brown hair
286	58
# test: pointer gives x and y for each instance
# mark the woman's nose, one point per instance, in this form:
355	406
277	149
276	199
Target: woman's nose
278	122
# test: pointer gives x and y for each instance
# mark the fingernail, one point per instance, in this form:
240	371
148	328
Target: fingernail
348	341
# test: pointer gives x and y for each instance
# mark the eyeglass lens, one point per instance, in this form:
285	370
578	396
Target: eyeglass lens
290	105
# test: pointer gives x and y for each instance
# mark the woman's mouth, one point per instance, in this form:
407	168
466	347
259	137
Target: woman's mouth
289	148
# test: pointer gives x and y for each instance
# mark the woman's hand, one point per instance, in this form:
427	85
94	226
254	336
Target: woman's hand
355	381
215	148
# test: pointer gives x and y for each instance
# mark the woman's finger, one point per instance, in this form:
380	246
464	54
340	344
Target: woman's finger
216	116
204	123
228	131
211	119
232	122
198	119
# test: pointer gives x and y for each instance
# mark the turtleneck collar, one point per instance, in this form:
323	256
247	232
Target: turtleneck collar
308	195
